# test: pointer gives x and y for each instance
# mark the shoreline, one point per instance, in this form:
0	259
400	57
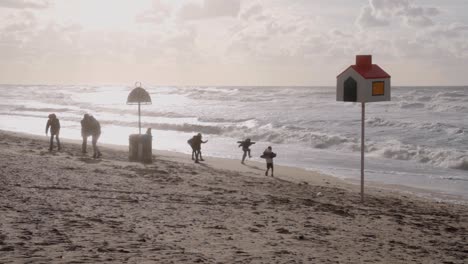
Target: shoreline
62	206
301	175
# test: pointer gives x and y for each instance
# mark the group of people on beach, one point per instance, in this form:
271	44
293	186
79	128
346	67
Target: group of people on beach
268	154
196	141
89	127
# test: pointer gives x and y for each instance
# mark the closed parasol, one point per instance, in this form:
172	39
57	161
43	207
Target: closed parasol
139	96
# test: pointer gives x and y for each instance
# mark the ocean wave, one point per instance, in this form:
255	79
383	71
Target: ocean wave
447	158
418	126
42	109
103	110
442	101
411	105
159	114
455	179
424	98
185	127
391	149
448	108
461	164
247	94
223	120
450	94
380	122
322	141
285	135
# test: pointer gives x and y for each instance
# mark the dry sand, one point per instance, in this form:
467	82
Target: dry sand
62	207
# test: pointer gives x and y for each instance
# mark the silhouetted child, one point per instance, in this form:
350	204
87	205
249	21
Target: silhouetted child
54	125
196	147
246	148
268	155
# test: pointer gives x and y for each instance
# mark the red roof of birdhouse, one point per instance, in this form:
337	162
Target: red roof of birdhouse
366	69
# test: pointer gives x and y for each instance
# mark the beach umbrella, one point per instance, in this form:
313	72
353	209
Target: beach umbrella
139	96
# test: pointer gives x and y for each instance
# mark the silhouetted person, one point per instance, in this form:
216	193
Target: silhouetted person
268	155
90	127
54	124
190	142
246	148
84	132
196	146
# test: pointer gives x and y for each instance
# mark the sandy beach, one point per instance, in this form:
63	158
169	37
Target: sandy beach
63	207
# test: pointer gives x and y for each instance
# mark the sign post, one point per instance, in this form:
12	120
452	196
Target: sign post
363	122
363	82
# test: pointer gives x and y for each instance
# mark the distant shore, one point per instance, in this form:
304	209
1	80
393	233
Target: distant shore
60	207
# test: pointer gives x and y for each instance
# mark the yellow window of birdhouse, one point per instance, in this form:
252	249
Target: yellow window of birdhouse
378	88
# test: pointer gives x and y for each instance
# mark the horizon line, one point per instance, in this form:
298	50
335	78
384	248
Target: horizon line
212	85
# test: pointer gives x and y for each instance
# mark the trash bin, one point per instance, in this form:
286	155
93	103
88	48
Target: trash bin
141	148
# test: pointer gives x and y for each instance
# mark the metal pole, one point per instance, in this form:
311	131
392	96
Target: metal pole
139	118
363	116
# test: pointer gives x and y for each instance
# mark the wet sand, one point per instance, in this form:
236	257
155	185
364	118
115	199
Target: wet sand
63	207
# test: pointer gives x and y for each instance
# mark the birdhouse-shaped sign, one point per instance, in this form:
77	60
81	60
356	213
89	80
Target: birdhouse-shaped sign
363	82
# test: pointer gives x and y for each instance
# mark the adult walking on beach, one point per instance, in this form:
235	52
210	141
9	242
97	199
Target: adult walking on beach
268	155
54	124
196	147
245	148
90	127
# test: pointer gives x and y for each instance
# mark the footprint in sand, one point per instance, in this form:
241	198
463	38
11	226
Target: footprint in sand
90	160
7	248
283	231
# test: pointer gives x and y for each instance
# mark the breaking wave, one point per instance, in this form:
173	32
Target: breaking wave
446	158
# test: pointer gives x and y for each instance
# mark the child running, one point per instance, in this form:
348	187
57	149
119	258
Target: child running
245	148
268	155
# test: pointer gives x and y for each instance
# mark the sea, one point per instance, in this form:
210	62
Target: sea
418	140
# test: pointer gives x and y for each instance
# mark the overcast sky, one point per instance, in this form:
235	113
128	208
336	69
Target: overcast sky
230	42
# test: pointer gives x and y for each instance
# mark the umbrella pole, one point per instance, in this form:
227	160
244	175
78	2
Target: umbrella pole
139	118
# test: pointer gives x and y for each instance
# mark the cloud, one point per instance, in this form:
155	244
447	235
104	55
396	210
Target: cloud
32	44
381	13
159	12
210	9
368	18
252	11
265	34
432	41
20	4
21	21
